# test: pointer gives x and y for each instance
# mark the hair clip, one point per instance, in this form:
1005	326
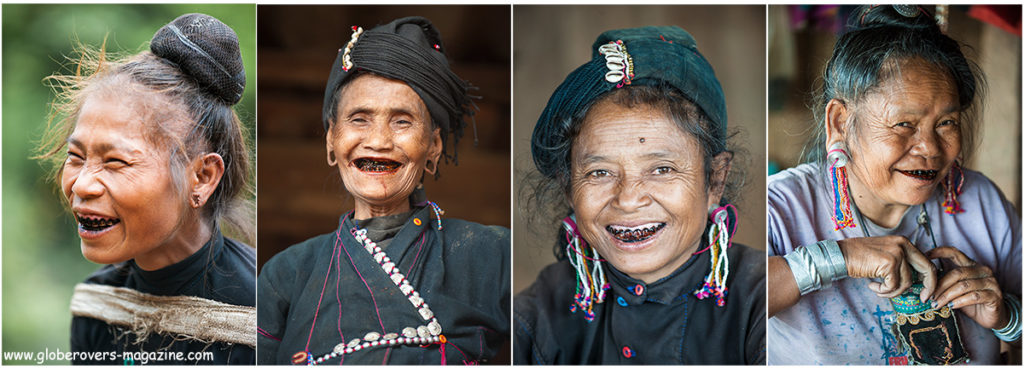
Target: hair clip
346	57
619	63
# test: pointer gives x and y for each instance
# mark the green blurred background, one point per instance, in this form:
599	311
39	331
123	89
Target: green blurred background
41	257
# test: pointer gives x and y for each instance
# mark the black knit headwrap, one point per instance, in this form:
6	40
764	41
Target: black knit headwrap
409	50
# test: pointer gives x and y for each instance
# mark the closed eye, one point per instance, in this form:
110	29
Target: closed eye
74	158
116	163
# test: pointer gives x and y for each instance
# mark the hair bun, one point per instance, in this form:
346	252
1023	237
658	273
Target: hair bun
913	16
205	49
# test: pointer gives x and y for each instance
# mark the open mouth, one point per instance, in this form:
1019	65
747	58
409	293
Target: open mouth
634	234
377	165
96	224
925	175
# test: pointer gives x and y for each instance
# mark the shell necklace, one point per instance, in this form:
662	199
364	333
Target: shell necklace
428	333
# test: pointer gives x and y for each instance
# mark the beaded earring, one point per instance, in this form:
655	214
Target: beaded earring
954	184
719	240
438	212
842	214
591	286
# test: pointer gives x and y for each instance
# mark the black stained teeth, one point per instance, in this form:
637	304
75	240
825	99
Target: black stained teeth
97	224
374	165
923	174
634	235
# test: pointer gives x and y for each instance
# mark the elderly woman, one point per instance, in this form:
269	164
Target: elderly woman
635	141
853	230
395	282
152	160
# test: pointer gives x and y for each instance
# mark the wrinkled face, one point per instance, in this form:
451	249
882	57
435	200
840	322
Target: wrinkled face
906	137
638	189
382	138
119	183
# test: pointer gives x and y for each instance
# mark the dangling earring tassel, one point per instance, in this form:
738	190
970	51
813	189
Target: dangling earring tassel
842	211
591	286
954	186
437	213
719	240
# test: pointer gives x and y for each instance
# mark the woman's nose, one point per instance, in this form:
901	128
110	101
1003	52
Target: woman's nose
379	137
927	144
85	184
631	194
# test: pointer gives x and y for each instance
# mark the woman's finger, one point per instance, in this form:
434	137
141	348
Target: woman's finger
953	254
955	276
924	267
965	287
977	297
903	283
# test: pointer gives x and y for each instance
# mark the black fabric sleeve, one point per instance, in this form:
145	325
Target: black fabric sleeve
272	310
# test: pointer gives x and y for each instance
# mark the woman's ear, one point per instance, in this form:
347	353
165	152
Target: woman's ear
720	166
836	117
434	151
332	160
207	172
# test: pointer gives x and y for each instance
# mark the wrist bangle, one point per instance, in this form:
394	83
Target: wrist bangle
816	266
1011	332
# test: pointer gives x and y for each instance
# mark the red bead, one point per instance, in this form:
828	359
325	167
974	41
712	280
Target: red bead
627	352
638	289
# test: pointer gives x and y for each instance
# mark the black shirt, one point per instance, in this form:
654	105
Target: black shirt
222	270
328	290
664	324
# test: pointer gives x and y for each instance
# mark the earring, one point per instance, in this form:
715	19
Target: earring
195	200
842	213
331	160
719	240
591	285
954	184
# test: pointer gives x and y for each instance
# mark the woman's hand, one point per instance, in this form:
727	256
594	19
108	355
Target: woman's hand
970	287
889	258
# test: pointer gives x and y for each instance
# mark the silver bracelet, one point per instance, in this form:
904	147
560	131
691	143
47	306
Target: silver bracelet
816	266
1011	332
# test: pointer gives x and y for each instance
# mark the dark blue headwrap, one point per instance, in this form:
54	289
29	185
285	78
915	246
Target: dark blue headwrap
640	56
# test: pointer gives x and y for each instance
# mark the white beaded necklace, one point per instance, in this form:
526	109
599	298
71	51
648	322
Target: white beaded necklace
421	335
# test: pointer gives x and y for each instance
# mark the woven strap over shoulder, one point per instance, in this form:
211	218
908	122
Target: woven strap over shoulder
182	317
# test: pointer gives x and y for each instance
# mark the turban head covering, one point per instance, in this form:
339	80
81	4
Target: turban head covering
621	58
409	50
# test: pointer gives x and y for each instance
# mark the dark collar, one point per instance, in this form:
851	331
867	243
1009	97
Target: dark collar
685	280
172	278
409	233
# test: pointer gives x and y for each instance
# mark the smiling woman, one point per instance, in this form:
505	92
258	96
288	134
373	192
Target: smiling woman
403	284
635	142
884	250
151	160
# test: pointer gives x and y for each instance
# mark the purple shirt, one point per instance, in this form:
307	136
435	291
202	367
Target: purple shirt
847	323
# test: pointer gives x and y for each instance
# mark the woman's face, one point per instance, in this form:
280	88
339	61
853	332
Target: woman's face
905	137
638	189
382	138
119	185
